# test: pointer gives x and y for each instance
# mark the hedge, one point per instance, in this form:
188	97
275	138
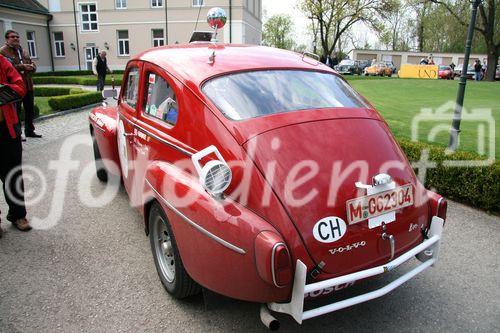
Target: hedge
477	186
36	112
59	103
85	81
56	91
69	73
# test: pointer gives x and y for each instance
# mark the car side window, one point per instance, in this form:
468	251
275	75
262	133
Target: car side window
132	88
161	101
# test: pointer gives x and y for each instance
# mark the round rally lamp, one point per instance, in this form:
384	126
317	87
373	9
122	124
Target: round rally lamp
215	175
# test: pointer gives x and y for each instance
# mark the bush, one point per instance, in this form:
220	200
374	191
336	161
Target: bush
85	81
70	73
478	186
66	102
36	112
62	73
56	91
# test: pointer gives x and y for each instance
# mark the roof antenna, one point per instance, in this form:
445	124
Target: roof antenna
216	19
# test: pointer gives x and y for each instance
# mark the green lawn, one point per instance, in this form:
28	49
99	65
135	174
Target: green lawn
401	100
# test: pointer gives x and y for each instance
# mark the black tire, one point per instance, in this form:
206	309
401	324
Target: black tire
101	172
177	283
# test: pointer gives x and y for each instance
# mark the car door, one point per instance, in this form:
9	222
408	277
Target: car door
127	116
161	135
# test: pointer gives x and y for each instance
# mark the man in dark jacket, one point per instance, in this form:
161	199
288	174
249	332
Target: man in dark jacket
18	57
477	70
100	68
11	149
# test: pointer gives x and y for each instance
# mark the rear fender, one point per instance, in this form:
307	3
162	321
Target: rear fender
103	124
216	237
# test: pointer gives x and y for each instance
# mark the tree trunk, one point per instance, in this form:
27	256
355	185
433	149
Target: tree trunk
492	64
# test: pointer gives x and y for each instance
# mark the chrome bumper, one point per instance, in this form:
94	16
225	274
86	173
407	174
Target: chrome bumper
427	252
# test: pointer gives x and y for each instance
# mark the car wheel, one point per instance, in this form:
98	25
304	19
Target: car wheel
389	75
166	256
101	172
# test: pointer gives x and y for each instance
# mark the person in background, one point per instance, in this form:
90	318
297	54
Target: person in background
11	149
100	68
484	69
334	61
20	59
477	70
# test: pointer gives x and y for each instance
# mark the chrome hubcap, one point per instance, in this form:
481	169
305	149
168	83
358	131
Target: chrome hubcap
164	250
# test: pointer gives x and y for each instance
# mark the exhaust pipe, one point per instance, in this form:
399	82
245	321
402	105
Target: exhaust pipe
267	318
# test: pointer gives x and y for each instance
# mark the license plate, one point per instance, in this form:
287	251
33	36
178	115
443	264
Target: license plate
369	206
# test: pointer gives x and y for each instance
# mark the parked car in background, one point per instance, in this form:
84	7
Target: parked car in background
348	67
390	64
497	73
445	72
457	72
363	64
379	68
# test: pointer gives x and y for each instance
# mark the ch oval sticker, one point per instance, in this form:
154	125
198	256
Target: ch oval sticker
329	229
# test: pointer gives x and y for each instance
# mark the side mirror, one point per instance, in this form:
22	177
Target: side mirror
106	93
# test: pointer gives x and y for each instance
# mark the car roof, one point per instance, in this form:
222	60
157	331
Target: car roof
190	62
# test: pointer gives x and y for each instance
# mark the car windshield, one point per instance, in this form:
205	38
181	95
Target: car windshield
347	63
444	68
259	93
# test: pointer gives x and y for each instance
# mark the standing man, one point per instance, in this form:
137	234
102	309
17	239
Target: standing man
100	68
20	59
11	149
477	70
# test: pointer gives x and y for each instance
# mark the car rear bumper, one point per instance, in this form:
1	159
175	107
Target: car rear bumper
427	252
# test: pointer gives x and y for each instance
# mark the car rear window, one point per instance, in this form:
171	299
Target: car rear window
253	94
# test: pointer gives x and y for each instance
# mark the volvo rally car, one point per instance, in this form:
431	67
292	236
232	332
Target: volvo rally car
262	175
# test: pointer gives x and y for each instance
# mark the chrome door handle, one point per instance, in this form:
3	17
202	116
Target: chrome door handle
128	135
392	241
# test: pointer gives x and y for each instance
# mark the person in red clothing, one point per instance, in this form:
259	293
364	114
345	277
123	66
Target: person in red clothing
11	149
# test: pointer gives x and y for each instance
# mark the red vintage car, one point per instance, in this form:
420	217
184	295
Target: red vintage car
263	176
445	72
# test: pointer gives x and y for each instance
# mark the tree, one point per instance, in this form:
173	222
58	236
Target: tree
488	24
278	31
398	32
334	18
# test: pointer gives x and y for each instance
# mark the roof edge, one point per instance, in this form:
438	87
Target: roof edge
34	11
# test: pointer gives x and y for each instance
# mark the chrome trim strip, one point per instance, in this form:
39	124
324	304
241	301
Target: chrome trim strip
98	127
196	226
182	150
439	205
272	263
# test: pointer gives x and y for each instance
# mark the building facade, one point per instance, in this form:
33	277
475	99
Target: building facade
69	33
400	58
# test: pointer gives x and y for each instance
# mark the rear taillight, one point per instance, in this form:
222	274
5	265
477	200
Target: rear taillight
281	265
272	259
442	207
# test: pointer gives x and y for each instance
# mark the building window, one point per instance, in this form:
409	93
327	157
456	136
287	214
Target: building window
30	38
198	3
121	4
156	3
123	43
54	5
89	17
158	38
59	44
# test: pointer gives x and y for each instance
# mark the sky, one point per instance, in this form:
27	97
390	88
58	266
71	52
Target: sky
302	35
